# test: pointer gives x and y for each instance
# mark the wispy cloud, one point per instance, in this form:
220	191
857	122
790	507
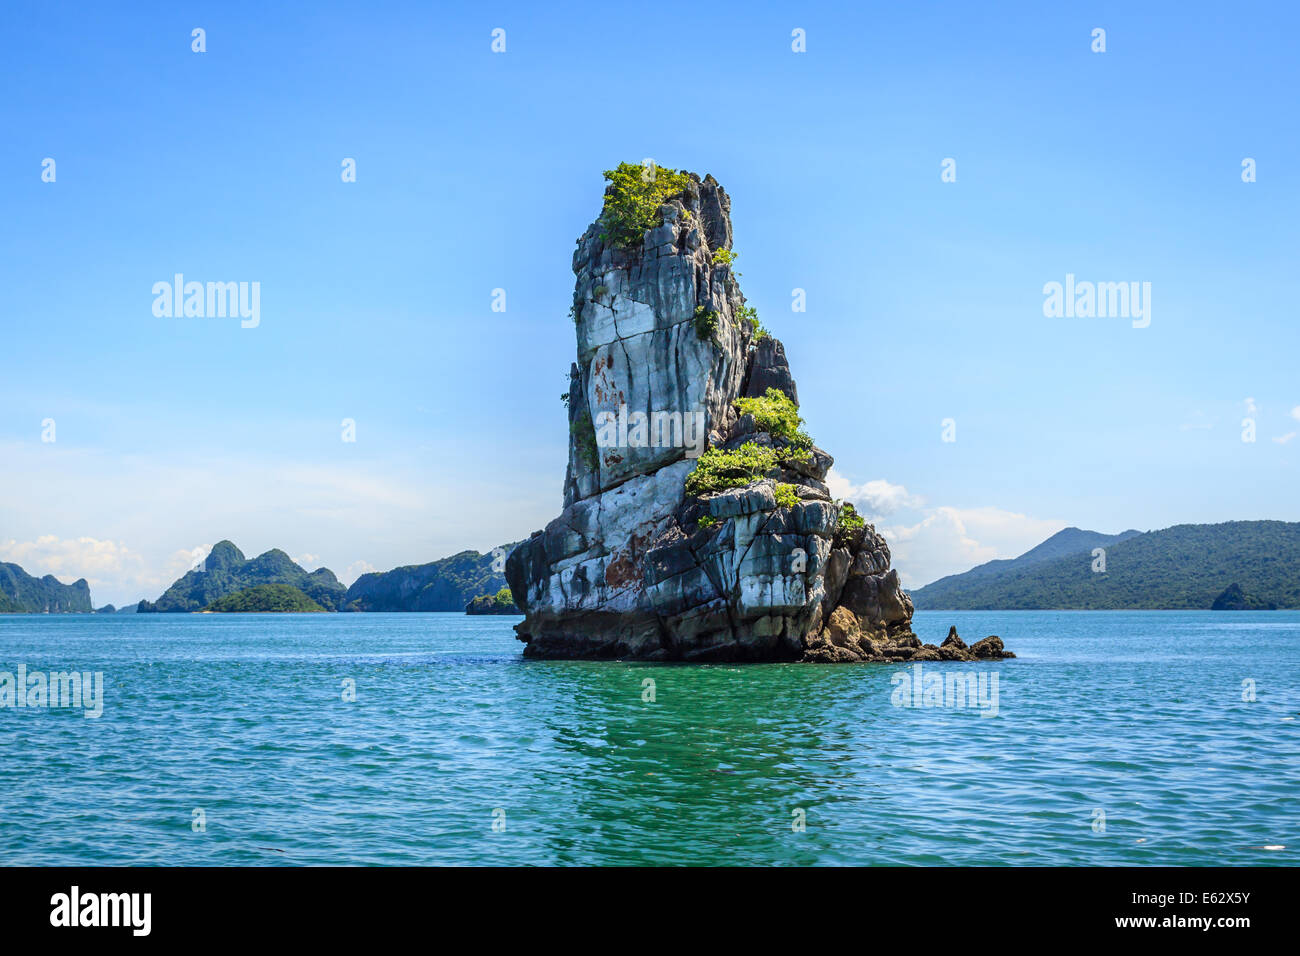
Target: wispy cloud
950	540
877	497
337	514
942	540
355	570
115	573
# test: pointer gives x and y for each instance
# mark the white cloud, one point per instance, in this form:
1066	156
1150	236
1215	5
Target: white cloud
1283	439
308	562
115	573
951	540
68	560
878	497
195	556
396	512
944	540
355	570
1251	407
1295	413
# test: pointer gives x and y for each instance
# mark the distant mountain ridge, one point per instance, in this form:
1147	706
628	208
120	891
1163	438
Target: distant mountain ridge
1065	542
1186	566
21	592
445	585
226	571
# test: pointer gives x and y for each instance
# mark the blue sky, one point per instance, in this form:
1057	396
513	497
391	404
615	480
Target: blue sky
477	171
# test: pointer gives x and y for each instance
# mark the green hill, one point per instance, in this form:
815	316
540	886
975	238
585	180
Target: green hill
1234	598
503	602
20	592
261	598
1186	566
959	587
446	585
226	571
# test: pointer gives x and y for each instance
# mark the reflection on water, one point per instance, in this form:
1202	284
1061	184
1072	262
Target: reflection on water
1137	715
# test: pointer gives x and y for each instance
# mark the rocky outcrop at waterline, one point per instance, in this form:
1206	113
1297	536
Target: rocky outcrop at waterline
499	603
844	640
697	524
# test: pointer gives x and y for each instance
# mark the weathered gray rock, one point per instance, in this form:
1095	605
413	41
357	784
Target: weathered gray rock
769	369
634	567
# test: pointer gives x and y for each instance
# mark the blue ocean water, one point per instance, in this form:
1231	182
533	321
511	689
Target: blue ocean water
1119	738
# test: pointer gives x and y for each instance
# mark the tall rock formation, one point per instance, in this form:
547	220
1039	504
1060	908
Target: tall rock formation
754	561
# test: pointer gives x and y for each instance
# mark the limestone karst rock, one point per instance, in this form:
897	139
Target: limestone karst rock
763	565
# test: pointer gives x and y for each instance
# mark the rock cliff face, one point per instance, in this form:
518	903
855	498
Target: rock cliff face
761	566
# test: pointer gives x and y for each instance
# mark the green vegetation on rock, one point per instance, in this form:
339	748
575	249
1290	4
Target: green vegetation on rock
632	201
786	496
263	598
706	322
849	522
748	315
775	414
503	602
584	431
719	469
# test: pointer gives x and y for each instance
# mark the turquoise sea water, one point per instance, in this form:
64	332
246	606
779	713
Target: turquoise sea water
1135	714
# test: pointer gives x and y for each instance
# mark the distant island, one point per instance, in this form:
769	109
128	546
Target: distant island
448	584
21	593
226	571
1236	565
1233	566
263	598
500	603
445	585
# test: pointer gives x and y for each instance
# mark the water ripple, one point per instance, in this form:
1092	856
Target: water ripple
1120	738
